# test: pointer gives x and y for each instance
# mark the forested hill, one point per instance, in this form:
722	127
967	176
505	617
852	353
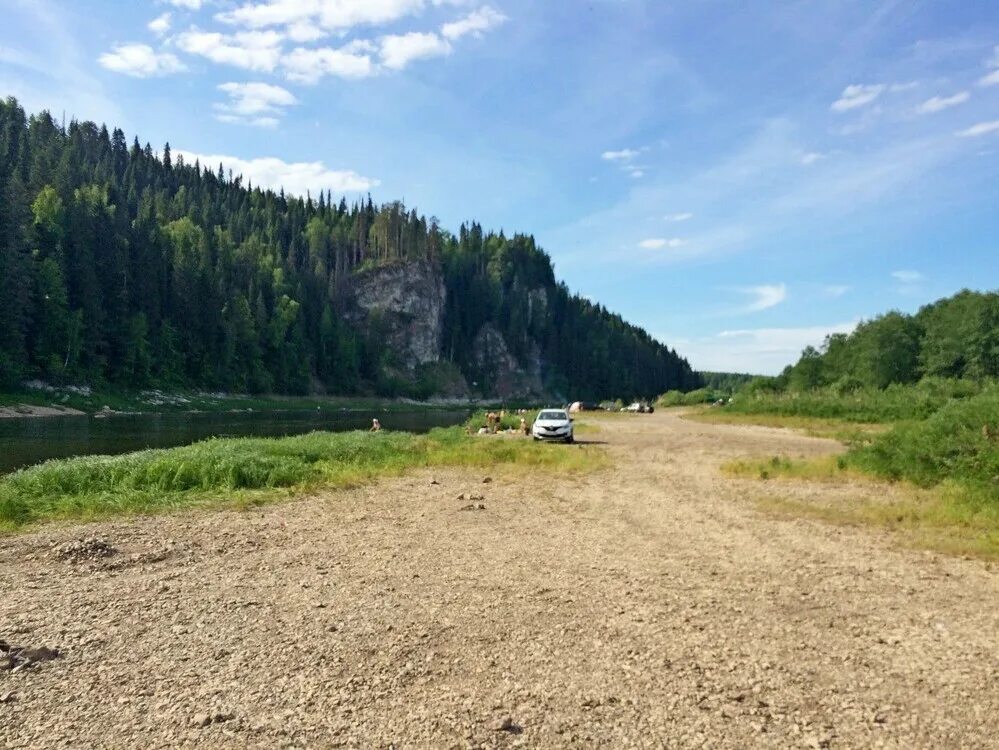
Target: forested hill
119	266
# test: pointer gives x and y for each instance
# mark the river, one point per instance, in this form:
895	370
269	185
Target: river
28	441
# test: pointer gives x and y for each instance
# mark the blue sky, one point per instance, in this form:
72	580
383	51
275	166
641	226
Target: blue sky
741	179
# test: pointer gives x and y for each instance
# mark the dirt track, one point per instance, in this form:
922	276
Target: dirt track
649	605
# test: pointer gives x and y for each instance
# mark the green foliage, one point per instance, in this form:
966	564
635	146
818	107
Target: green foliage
725	382
958	442
219	471
956	337
858	404
690	398
120	268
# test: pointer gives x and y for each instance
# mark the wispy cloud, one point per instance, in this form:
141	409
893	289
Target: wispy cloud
857	95
658	243
907	277
765	351
254	103
296	178
140	61
811	157
476	23
399	50
764	296
991	78
683	216
982	128
940	103
835	290
625	154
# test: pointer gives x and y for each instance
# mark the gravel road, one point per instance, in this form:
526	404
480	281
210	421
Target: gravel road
647	605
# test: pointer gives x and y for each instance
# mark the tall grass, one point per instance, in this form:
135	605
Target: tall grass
248	469
892	404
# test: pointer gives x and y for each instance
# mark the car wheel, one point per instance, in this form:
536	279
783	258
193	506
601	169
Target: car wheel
570	440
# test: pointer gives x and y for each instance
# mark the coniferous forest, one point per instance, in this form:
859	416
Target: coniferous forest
127	268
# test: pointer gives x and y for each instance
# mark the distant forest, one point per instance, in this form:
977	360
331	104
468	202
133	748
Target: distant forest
953	338
124	267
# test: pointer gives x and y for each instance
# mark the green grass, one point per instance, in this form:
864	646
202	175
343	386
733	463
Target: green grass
248	471
895	403
943	474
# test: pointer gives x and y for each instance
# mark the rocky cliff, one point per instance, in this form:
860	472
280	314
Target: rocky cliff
499	372
406	303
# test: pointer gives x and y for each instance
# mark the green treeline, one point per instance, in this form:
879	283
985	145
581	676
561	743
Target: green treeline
123	267
953	338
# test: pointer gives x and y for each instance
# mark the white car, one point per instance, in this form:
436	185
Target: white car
553	424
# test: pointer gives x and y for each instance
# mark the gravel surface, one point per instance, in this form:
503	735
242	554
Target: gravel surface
648	605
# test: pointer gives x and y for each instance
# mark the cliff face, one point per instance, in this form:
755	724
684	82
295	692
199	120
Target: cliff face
500	372
404	306
406	302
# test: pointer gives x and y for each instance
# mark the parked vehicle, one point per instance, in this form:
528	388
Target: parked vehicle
553	424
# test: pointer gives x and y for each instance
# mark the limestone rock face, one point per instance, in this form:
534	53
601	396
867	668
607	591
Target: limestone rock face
500	373
406	301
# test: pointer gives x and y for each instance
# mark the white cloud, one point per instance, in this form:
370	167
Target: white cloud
766	296
303	31
477	22
907	277
857	95
684	216
332	15
765	351
309	65
251	50
397	51
140	61
296	178
982	128
160	25
658	243
188	4
259	104
939	103
835	290
990	79
810	157
625	154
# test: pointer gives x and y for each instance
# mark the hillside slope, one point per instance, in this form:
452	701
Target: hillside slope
121	266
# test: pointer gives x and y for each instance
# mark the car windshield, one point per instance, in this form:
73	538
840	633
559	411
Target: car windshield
553	416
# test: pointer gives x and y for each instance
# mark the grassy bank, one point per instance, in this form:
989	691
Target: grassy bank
896	403
252	470
945	468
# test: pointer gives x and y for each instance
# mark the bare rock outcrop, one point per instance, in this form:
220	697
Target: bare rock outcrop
406	302
500	374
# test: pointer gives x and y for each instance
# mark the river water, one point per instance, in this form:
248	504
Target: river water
28	441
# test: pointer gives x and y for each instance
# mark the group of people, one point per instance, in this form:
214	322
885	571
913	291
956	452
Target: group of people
494	423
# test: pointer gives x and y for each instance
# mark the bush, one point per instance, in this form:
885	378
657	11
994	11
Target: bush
959	442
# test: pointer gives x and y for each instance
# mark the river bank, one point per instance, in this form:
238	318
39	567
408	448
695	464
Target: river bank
651	599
